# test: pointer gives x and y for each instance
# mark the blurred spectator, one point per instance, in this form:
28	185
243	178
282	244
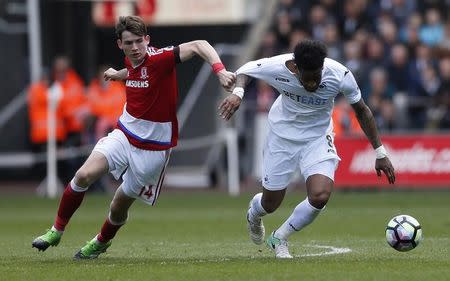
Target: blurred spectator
318	18
441	5
426	91
420	61
361	36
353	60
430	81
330	5
333	42
353	17
74	101
375	52
444	46
388	31
297	36
345	122
399	9
432	33
38	111
409	33
442	102
398	68
106	100
283	31
269	45
380	99
295	11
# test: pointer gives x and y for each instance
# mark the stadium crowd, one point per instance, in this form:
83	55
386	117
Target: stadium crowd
83	114
398	50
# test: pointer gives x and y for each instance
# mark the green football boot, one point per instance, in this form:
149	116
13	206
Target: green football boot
51	238
279	246
92	249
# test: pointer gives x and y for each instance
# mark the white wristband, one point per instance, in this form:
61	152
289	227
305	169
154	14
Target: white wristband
381	152
238	91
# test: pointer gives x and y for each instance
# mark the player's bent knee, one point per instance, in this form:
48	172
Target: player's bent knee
271	200
84	178
270	205
319	199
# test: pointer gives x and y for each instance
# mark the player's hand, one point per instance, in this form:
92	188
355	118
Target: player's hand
111	74
227	79
385	165
229	106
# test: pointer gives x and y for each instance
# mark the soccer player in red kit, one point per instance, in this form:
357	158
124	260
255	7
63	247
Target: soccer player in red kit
139	149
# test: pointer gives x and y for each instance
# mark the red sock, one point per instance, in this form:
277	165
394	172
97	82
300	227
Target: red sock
108	231
70	201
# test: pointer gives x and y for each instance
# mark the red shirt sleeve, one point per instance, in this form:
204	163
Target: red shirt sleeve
164	59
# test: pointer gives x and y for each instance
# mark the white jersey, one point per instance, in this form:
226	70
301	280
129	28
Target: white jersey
298	114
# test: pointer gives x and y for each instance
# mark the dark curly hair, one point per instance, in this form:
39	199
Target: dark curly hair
310	54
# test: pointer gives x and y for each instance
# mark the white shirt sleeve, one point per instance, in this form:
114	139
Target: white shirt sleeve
350	88
260	69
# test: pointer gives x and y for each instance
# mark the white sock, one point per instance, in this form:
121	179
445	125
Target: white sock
303	214
76	187
54	229
256	210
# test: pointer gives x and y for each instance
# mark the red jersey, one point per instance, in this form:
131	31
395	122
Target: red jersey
149	118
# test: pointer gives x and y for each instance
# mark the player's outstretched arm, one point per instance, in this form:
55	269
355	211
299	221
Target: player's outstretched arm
368	125
115	75
203	49
232	102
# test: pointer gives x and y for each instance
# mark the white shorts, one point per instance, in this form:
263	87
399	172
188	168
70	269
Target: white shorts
142	171
281	158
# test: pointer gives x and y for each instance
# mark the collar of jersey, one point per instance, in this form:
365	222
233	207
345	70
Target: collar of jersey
145	58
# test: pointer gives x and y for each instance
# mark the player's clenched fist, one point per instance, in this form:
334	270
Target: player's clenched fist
227	79
115	75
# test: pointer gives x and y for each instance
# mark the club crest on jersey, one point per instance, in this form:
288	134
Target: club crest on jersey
144	74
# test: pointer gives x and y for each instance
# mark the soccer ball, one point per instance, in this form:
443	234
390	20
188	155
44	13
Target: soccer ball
403	233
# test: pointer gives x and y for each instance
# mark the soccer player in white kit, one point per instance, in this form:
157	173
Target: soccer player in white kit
138	150
301	134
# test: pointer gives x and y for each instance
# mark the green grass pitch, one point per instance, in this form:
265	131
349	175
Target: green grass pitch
203	236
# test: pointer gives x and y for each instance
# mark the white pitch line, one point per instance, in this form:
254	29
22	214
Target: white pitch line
332	251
